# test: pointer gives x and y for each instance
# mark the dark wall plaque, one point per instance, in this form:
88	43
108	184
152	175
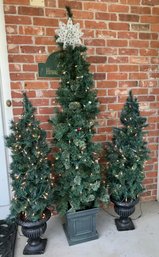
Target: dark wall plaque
49	69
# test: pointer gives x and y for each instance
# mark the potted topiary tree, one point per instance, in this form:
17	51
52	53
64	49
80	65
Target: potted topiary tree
79	183
30	174
125	157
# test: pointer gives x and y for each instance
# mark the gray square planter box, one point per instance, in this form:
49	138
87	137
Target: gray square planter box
81	226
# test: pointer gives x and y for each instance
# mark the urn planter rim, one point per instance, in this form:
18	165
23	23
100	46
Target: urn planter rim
34	223
123	203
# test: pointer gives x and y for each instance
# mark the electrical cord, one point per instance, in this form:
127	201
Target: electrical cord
135	218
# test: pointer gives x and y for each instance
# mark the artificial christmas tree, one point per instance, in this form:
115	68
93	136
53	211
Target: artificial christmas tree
31	177
79	184
125	157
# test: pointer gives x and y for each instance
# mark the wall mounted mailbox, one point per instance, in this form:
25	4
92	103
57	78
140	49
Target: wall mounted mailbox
49	69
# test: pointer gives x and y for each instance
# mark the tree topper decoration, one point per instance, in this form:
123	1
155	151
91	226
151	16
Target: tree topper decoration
69	34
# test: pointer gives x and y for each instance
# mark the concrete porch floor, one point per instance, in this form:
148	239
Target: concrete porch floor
141	242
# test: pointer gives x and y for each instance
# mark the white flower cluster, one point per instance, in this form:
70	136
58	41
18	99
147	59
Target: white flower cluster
69	34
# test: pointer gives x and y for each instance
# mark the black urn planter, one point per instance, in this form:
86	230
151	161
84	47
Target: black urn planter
80	226
33	231
124	210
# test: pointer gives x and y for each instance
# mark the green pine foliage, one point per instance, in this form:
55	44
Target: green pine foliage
30	168
79	184
127	153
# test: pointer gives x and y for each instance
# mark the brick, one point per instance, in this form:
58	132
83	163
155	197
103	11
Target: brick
40	58
14	67
154	44
106	51
140	91
95	24
105	34
117	76
40	102
46	126
32	49
96	59
17	111
94	42
45	22
139	43
13	19
118	8
36	85
107	68
12	48
18	94
83	15
117	59
44	41
128	35
128	68
150	19
148	68
95	6
46	110
115	107
117	92
155	10
139	60
99	76
127	84
30	67
145	36
140	10
29	30
106	84
43	118
129	17
155	60
72	4
138	76
105	16
99	138
46	93
130	2
16	39
155	27
149	2
22	76
104	130
25	10
148	52
21	58
140	27
50	3
118	26
117	43
10	9
101	93
11	29
22	2
55	13
15	85
127	51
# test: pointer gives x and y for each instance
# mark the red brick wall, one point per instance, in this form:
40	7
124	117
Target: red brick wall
122	37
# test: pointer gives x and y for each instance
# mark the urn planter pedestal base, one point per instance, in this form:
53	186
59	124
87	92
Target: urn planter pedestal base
80	226
33	231
31	248
123	225
124	210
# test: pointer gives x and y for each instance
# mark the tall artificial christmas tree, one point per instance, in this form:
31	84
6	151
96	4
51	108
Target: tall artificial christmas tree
125	157
79	183
30	168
